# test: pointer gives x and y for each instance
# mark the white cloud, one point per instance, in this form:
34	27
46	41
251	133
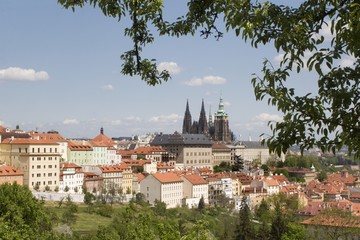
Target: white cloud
347	61
71	122
108	87
171	67
164	119
213	80
325	31
116	122
133	119
16	73
265	117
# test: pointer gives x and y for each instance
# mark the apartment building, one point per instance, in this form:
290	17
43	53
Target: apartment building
188	150
71	177
195	187
221	153
38	159
80	152
166	187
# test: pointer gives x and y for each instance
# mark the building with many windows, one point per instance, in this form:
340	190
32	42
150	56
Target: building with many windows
195	187
38	159
71	177
166	187
189	150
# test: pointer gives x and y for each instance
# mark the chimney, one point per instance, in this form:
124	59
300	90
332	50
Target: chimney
101	130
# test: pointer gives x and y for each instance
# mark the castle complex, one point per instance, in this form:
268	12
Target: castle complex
216	127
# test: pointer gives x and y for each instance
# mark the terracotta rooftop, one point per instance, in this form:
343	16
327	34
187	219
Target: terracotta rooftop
168	177
195	179
27	141
48	136
102	141
76	146
69	165
10	171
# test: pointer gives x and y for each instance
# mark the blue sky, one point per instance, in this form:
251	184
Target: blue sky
61	70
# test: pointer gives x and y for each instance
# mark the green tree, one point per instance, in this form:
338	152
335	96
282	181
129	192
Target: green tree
294	232
105	233
201	204
245	228
89	198
66	189
238	163
278	225
21	214
37	186
327	118
159	208
322	175
69	215
199	231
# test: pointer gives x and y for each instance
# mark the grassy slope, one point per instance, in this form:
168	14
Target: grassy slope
85	222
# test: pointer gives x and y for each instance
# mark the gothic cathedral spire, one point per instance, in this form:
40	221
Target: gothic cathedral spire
187	119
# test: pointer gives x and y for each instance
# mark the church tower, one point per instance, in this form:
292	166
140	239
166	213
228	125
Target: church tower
221	124
187	120
203	127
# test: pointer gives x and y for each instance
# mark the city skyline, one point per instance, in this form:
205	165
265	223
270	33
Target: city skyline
60	70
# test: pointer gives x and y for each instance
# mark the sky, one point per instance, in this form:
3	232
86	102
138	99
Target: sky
61	70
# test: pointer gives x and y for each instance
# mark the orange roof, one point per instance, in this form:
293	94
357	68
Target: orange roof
148	150
28	141
195	179
280	178
115	168
73	146
69	165
102	141
270	182
140	177
168	177
10	171
47	136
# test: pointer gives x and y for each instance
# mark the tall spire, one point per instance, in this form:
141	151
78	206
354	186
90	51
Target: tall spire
203	127
187	119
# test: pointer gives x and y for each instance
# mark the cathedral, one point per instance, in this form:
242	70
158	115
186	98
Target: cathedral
216	127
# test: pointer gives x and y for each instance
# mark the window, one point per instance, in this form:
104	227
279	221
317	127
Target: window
49	174
50	166
38	166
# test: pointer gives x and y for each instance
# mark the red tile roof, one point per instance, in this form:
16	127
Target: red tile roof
102	141
168	177
27	141
195	179
10	171
47	136
74	146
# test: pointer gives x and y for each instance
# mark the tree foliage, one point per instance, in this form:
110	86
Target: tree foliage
21	215
327	118
245	228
